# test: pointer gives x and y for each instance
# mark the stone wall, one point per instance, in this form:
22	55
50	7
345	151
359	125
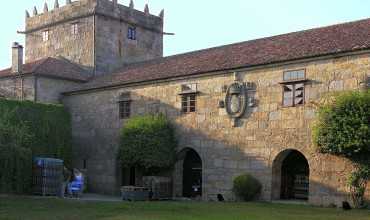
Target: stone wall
113	48
77	48
18	87
49	90
264	132
101	41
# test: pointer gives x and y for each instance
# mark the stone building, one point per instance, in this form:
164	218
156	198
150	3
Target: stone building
240	108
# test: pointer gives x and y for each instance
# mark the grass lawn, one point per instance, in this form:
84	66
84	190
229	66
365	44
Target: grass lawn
51	209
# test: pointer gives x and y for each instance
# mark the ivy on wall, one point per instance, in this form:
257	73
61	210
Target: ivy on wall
28	130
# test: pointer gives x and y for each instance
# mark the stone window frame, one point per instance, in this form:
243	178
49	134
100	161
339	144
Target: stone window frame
45	35
188	95
188	103
294	80
75	29
132	33
124	105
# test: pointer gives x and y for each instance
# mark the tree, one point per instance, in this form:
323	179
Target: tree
148	143
343	129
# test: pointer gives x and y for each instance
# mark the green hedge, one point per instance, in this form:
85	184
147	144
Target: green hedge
27	130
16	169
149	143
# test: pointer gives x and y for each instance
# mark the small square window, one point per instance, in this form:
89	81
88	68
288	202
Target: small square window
45	35
74	29
188	103
131	33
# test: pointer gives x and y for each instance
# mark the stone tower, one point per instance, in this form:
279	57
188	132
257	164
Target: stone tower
100	35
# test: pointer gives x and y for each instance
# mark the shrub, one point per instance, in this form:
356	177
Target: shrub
343	128
29	130
148	143
247	187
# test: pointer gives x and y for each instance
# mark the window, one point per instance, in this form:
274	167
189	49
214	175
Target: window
45	35
294	75
124	106
293	87
293	94
131	33
124	109
84	164
74	29
188	102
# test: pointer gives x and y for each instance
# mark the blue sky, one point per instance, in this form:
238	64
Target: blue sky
201	24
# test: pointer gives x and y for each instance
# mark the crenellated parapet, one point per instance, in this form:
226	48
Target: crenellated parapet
72	10
100	35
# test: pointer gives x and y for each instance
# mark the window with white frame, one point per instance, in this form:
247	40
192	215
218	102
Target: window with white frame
45	35
74	29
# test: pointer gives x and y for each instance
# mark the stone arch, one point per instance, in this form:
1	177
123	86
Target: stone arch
290	175
188	174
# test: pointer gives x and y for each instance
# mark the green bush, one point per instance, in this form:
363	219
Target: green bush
30	130
247	187
343	128
148	143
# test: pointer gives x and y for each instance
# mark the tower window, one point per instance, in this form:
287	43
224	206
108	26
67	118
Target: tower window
74	29
131	33
45	35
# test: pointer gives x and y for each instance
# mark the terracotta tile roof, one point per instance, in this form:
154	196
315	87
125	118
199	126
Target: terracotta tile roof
52	67
346	37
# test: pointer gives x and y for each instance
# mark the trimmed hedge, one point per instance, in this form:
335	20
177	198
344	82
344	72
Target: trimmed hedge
149	143
27	130
246	187
16	169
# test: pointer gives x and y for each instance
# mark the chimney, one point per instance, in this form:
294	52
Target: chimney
17	58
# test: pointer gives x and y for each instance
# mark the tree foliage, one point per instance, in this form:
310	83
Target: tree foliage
343	128
149	143
30	130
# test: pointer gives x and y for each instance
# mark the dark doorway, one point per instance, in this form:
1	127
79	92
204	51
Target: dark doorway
192	175
129	176
295	176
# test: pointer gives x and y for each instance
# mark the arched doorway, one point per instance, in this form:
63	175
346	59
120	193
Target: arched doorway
290	176
192	174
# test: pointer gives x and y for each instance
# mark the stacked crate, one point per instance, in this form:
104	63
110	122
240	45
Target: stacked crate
47	176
